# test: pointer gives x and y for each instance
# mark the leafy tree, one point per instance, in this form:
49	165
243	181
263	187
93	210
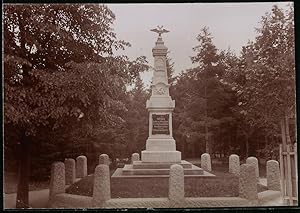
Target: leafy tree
50	35
59	72
267	75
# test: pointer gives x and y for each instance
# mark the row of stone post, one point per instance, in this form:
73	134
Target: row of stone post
176	194
248	178
66	173
273	172
75	170
101	188
78	169
234	165
102	192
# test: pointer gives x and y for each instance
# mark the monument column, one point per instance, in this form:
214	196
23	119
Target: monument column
160	145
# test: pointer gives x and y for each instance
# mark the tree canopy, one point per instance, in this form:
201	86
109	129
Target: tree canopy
66	93
228	101
61	78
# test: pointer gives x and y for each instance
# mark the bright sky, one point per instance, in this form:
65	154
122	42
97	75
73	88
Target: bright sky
231	25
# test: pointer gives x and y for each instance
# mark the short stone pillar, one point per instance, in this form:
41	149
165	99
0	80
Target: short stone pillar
273	175
70	171
247	183
81	166
254	162
104	159
205	162
176	185
101	190
135	157
57	180
234	164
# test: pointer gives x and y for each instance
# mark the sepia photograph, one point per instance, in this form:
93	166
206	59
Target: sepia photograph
149	105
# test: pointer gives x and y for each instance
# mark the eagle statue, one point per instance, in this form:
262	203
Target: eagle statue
160	30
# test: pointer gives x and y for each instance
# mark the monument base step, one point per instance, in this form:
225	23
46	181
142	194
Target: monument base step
166	165
142	169
129	170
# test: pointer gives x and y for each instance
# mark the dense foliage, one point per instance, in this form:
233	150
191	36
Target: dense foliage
66	93
228	102
203	116
64	90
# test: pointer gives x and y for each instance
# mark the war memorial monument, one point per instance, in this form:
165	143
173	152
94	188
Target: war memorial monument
160	151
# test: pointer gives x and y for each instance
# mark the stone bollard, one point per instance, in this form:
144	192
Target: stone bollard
101	190
205	162
57	180
104	159
70	171
254	162
176	185
135	157
247	183
81	166
273	175
234	164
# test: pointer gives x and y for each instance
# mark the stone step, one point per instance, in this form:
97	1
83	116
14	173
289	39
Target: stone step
119	174
129	170
148	165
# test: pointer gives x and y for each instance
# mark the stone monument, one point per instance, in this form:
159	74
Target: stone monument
160	145
160	151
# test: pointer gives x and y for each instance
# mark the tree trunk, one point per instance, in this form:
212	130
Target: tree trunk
287	129
206	141
293	168
194	150
283	136
247	145
266	141
205	123
23	173
212	144
182	147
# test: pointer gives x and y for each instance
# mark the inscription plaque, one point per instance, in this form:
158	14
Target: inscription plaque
160	124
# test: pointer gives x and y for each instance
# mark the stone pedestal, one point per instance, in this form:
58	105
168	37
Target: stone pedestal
160	145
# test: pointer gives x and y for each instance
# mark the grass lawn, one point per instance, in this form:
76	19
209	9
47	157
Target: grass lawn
224	184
